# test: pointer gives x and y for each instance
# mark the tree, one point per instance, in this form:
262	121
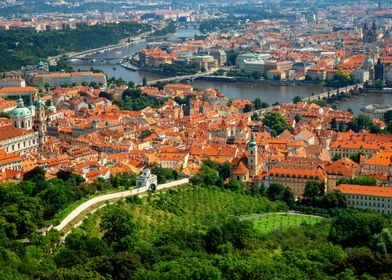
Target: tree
388	116
356	228
119	227
255	117
314	191
378	84
247	108
363	180
297	118
280	192
37	173
334	124
389	126
382	242
276	122
297	99
334	199
144	81
131	92
257	103
357	156
235	186
363	122
106	95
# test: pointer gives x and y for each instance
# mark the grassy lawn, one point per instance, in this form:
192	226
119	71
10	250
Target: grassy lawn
270	222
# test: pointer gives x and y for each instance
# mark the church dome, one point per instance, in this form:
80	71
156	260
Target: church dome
368	62
252	142
20	111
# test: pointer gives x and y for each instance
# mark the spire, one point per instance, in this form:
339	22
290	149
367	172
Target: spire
252	142
31	99
20	102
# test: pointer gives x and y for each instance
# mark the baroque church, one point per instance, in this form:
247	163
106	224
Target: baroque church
27	130
250	164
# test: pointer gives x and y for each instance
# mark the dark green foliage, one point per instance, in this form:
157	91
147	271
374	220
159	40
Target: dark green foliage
364	180
170	28
280	192
276	123
232	231
120	229
355	228
357	157
232	57
363	122
340	79
207	176
18	48
297	99
178	69
133	100
388	116
212	25
164	174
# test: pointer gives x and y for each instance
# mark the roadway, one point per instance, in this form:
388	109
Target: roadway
76	217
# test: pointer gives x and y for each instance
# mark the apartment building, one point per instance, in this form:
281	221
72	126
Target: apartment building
374	198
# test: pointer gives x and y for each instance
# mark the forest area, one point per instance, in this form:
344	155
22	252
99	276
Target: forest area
204	230
25	47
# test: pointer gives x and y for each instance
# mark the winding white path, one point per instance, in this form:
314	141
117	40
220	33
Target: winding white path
109	197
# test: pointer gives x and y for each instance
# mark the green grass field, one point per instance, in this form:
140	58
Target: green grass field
270	222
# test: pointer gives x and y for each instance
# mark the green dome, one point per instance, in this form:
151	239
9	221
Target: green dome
20	113
252	143
38	103
368	61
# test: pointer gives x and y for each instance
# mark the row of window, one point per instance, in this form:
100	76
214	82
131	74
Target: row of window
362	197
374	204
25	144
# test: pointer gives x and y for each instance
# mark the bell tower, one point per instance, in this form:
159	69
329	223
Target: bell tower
252	155
40	121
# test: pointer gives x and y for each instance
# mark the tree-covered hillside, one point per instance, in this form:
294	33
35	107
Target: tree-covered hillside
214	228
23	47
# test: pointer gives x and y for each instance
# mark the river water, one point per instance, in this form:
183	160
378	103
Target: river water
267	93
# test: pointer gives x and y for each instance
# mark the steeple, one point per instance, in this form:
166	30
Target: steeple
40	121
252	155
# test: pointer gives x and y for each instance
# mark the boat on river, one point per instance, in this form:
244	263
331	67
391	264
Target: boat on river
129	66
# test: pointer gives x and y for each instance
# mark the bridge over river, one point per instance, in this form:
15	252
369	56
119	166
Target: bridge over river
323	95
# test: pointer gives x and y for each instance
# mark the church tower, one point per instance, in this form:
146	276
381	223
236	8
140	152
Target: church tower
252	155
40	121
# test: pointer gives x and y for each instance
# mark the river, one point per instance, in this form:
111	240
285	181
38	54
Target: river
267	93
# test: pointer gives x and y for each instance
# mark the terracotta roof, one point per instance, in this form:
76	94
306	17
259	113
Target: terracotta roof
17	89
241	169
9	131
365	190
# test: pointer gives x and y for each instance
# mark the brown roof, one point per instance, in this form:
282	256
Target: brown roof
241	169
365	190
9	131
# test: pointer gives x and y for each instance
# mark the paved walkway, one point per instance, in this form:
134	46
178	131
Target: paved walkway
91	205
